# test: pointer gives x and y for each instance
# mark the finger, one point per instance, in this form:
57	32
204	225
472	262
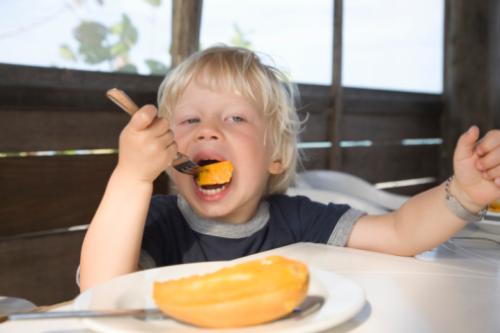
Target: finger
488	161
159	127
496	180
170	137
166	139
488	143
465	145
485	176
143	117
492	173
171	152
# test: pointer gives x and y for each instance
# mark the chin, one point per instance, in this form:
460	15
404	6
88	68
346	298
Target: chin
217	212
212	205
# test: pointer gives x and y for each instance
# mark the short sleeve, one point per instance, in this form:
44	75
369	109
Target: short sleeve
317	222
342	230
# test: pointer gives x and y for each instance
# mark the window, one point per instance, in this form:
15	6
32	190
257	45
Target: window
388	44
394	45
296	34
132	36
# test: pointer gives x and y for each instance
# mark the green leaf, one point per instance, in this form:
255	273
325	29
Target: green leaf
128	68
154	3
66	53
92	38
119	49
126	31
239	38
116	29
129	34
91	33
156	67
94	55
96	46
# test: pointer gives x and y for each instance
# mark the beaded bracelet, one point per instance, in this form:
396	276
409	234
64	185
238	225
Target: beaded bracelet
458	209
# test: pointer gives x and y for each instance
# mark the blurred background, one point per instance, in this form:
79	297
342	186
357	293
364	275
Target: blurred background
388	44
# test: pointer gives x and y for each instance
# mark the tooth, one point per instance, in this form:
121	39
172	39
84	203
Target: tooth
212	191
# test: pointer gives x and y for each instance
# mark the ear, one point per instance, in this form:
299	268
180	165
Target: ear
276	167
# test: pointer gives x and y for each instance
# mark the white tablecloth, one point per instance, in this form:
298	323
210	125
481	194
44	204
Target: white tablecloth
453	288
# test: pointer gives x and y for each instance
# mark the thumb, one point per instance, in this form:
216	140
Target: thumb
466	144
143	117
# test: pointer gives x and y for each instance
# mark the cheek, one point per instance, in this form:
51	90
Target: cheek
253	140
258	150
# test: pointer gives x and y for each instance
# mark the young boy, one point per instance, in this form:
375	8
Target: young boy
224	104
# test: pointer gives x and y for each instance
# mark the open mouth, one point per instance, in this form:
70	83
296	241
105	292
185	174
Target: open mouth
214	176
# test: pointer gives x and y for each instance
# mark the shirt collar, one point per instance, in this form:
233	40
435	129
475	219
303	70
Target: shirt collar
223	229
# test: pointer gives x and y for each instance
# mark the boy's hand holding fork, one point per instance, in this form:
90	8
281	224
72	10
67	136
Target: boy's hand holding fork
147	146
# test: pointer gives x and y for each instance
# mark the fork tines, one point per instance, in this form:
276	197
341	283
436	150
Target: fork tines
183	164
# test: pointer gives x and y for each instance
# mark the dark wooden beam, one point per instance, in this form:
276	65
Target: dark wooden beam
495	62
472	71
336	93
186	21
33	88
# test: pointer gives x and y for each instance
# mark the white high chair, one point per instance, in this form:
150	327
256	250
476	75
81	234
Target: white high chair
326	197
350	186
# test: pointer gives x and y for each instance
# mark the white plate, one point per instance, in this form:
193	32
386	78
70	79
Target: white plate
343	299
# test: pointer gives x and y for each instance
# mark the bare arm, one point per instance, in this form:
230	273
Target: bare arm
425	221
422	223
112	244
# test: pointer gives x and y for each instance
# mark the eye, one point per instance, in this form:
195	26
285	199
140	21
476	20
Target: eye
236	119
190	121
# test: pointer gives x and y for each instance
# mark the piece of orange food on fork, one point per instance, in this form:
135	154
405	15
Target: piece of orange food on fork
215	174
248	293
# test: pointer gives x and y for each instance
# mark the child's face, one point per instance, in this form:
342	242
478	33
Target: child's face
211	125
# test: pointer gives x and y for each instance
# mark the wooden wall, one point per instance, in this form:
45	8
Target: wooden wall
48	200
384	119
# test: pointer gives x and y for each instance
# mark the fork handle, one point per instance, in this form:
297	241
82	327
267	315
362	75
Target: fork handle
120	98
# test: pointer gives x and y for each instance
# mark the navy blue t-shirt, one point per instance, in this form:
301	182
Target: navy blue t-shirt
171	237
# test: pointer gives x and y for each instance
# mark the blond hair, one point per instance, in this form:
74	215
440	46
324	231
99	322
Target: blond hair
240	70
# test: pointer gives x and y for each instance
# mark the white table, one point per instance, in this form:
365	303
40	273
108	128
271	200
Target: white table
453	288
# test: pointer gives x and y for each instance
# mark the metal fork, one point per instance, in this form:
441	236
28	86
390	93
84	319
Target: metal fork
181	163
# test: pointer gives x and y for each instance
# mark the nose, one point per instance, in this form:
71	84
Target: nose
208	131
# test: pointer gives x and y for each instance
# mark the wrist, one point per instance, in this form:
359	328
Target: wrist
462	197
460	204
126	176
